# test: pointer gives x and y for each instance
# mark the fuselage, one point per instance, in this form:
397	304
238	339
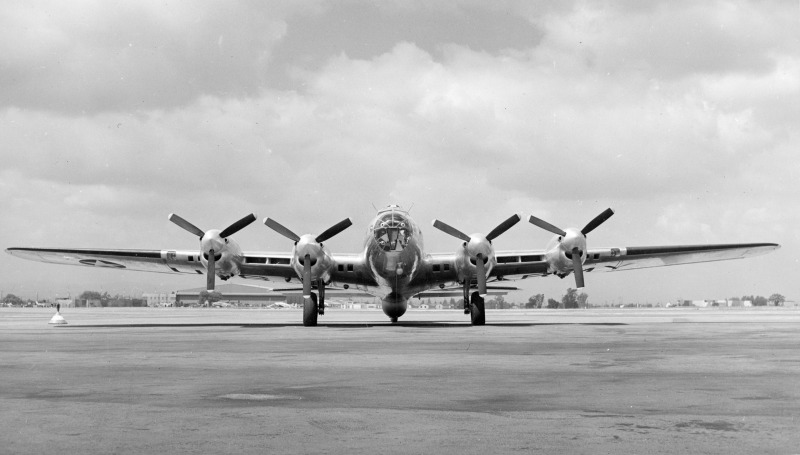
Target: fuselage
394	254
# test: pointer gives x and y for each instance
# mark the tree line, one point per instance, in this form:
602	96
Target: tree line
759	300
572	299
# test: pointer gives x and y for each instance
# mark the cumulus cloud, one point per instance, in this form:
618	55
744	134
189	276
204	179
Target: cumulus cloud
113	56
679	115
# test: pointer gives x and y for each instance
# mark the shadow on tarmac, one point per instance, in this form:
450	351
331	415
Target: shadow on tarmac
344	325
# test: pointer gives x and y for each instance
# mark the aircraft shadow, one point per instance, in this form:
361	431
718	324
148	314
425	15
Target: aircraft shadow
342	325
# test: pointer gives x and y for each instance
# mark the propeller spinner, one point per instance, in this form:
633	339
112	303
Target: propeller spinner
479	247
212	242
572	241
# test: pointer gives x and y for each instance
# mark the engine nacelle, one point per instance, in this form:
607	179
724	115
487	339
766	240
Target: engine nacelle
559	251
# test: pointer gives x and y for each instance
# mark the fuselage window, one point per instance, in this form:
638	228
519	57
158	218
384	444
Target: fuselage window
436	267
446	267
349	267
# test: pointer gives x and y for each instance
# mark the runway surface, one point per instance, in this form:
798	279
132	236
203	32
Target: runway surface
256	381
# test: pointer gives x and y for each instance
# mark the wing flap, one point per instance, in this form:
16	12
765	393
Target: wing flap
514	265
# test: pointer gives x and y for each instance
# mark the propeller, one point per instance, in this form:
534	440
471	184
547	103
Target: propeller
212	242
572	240
307	276
327	234
577	267
308	248
479	247
597	221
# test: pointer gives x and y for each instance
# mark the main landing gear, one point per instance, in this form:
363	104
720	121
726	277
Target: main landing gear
474	306
310	311
311	308
477	309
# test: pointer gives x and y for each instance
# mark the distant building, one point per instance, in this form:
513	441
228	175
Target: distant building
238	294
159	300
66	303
87	303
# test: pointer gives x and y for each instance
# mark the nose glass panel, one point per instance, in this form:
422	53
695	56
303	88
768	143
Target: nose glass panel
392	232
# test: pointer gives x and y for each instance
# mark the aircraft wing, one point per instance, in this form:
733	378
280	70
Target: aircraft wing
629	258
141	260
264	266
523	264
352	270
516	265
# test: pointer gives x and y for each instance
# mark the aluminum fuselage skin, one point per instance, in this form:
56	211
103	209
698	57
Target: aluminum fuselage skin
394	255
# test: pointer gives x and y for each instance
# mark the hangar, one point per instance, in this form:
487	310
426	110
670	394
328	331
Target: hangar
239	294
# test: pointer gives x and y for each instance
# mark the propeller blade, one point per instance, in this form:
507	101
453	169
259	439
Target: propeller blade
577	267
186	225
447	229
211	272
238	226
307	277
546	226
503	227
481	272
334	230
277	227
597	221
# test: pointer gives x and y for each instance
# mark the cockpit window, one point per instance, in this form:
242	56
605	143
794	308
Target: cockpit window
392	231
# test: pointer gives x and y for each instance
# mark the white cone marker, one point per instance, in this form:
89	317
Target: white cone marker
57	318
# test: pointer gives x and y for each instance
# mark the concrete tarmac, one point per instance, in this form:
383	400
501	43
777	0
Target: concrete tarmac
256	381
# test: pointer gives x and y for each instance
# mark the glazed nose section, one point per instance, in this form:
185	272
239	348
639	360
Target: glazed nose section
392	232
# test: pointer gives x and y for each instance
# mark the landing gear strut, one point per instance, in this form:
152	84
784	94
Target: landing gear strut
310	310
466	297
477	309
321	306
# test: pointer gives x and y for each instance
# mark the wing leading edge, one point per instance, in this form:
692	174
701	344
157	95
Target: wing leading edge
264	266
631	258
514	265
511	265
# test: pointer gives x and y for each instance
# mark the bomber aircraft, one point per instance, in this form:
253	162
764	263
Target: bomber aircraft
393	264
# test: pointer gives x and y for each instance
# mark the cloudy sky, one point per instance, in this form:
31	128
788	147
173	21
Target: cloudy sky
680	115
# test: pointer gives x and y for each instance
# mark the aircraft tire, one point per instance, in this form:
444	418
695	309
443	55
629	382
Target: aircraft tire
477	309
310	311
